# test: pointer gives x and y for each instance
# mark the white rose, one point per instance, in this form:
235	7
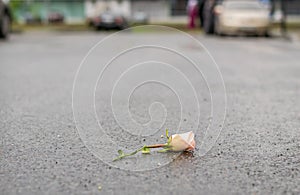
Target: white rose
183	142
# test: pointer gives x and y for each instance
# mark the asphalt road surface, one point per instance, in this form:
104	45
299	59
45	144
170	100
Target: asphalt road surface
257	152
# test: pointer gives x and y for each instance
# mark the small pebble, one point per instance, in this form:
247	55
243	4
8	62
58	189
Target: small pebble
162	136
99	187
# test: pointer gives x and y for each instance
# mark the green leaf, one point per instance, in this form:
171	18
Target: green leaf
167	133
145	150
169	138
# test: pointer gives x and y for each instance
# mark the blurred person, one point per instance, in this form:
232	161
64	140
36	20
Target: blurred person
283	19
208	16
192	9
272	7
200	12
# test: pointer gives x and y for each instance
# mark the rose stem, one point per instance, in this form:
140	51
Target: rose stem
155	146
133	153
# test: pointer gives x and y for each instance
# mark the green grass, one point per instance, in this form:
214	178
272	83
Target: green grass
85	27
182	27
51	27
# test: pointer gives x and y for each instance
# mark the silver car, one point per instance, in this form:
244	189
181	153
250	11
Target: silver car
241	16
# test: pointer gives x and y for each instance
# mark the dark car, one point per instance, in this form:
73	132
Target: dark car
31	19
109	20
55	17
5	20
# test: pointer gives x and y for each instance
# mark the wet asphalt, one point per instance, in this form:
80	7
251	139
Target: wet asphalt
257	152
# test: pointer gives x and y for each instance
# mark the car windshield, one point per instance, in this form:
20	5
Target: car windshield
243	5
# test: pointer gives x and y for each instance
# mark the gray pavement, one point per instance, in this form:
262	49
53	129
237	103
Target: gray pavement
41	152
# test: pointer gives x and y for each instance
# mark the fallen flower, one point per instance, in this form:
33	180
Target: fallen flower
176	143
183	142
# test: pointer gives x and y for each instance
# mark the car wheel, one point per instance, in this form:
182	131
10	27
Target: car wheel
123	26
267	34
5	26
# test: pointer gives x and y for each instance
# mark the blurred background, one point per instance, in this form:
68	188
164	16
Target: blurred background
211	16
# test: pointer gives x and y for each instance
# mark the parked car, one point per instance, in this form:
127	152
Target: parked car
140	18
235	16
31	19
5	20
241	16
109	20
56	17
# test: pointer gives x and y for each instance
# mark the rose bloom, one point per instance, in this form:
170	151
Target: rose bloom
183	142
